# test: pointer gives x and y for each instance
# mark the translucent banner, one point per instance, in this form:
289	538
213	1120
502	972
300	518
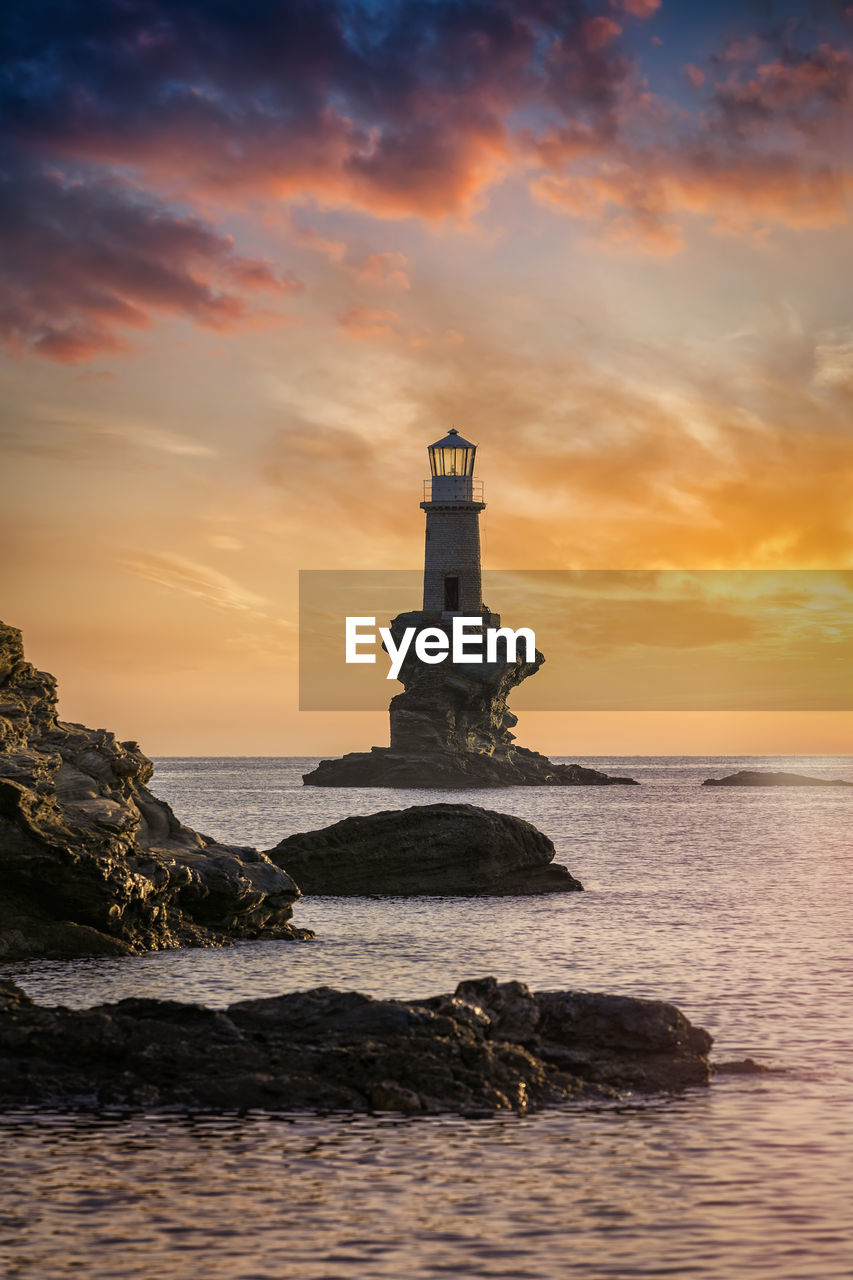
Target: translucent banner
632	640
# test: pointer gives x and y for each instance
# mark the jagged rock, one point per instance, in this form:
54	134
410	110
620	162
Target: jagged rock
763	778
90	861
744	1067
452	728
491	1046
440	849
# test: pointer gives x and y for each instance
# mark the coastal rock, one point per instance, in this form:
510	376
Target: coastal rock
488	1047
764	778
439	849
91	862
451	727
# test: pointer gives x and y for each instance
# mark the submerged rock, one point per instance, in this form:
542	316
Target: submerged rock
452	728
489	1047
91	862
764	778
445	849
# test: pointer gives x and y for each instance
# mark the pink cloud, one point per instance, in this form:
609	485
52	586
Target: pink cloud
638	8
598	32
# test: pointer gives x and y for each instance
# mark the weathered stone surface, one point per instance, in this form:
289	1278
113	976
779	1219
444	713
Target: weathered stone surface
452	728
443	849
764	778
491	1046
90	861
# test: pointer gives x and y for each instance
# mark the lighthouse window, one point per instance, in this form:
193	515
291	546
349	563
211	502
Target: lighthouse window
451	595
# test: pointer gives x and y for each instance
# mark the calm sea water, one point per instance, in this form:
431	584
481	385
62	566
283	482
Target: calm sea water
735	904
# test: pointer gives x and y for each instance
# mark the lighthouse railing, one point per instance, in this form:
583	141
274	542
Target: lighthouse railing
476	491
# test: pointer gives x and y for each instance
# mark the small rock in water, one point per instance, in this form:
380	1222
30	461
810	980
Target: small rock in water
765	778
435	849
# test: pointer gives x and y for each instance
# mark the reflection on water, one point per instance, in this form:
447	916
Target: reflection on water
707	1185
735	904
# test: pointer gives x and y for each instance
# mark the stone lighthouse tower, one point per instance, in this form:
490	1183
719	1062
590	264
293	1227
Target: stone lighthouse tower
452	574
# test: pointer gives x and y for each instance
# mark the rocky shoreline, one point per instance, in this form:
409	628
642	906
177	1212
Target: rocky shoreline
91	862
488	1047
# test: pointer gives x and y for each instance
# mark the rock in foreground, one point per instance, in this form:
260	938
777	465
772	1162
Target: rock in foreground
91	862
440	849
452	728
488	1047
759	778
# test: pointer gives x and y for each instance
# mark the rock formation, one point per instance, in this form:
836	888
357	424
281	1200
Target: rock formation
440	849
451	727
90	861
760	778
488	1047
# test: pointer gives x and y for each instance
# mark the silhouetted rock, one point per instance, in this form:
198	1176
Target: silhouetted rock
490	1046
452	728
761	778
90	861
444	849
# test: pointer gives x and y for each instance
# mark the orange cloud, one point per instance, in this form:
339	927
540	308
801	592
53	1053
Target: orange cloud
388	270
368	322
643	200
188	578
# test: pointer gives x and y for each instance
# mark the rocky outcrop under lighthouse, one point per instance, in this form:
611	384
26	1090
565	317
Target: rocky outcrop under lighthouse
452	728
91	862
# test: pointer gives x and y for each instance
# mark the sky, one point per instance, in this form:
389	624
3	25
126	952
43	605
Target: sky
255	256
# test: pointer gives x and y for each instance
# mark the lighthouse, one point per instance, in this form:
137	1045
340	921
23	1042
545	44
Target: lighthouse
453	500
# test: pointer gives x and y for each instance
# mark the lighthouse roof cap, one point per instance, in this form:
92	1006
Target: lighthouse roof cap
452	440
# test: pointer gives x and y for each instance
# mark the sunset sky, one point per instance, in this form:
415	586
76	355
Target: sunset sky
255	256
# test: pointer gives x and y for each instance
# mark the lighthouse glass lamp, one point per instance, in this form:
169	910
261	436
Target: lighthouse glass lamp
451	463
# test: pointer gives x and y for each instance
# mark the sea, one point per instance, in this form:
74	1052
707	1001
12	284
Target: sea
735	904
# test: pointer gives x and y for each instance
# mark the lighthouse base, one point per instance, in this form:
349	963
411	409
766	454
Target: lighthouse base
452	728
381	767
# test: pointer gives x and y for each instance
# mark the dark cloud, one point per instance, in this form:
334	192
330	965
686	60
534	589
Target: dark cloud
375	102
83	258
806	91
402	108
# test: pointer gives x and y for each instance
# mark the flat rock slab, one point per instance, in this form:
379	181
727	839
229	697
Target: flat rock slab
488	1047
434	849
764	778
